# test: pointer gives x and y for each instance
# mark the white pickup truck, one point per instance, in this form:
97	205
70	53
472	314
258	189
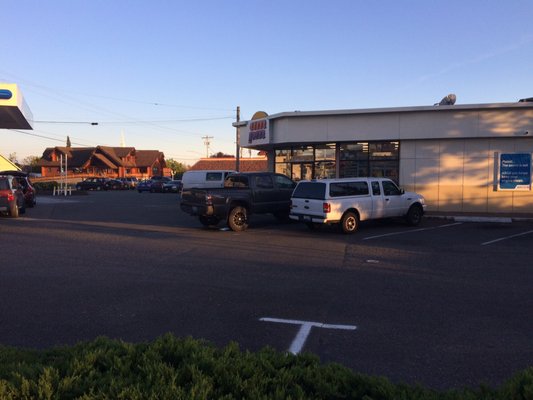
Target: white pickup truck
348	201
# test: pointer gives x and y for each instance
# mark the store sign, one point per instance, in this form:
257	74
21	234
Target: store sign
5	94
258	130
515	171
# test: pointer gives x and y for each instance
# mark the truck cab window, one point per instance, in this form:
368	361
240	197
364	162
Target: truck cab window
236	181
390	189
283	182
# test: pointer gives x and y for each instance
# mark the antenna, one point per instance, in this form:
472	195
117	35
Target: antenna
207	143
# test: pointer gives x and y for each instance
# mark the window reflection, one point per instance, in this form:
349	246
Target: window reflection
378	159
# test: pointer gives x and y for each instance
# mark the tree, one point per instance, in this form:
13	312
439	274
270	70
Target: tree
29	164
176	167
13	158
68	141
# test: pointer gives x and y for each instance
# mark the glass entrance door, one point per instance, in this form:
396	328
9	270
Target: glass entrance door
301	171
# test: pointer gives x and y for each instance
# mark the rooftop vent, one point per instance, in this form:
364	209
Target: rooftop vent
447	101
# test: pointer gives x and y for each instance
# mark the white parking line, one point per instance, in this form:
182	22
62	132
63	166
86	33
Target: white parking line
305	329
412	231
506	237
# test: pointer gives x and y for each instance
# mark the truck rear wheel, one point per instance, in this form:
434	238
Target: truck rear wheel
238	219
350	222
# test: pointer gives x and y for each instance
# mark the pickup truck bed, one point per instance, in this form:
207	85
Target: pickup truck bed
243	194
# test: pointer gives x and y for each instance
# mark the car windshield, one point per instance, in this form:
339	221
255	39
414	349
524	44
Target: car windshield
310	190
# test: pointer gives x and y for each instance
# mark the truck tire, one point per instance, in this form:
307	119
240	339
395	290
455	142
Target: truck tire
209	222
350	222
238	219
414	215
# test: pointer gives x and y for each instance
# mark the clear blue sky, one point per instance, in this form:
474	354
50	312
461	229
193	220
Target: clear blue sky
168	72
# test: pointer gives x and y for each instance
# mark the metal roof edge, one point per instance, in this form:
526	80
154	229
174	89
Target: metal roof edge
433	108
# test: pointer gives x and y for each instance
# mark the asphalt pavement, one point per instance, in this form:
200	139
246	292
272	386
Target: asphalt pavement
446	304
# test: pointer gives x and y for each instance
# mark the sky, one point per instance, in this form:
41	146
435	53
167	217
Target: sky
163	74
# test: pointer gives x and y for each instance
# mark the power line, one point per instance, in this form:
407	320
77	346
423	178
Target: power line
134	122
46	137
153	103
67	122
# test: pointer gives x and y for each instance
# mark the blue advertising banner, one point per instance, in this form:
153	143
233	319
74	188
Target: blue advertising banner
515	171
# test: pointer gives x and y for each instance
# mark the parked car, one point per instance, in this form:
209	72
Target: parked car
11	196
30	194
92	183
130	182
115	184
144	186
172	186
158	182
347	201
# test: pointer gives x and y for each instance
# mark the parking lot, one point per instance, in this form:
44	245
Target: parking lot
445	304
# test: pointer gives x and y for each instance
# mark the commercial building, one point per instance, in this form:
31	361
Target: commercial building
14	114
463	158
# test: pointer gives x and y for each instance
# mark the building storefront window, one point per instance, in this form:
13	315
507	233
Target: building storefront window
353	160
325	165
379	159
283	165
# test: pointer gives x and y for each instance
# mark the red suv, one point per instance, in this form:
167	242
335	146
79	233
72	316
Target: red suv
11	196
30	195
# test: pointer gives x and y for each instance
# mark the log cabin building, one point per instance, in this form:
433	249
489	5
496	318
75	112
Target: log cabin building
116	162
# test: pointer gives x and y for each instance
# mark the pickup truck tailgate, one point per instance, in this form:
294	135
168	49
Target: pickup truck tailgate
193	201
308	200
307	207
193	196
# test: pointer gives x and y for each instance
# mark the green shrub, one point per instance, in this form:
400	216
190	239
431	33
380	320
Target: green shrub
172	368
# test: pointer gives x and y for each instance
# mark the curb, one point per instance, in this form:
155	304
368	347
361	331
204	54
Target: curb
480	219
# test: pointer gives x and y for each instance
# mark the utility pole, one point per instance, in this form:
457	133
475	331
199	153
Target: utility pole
237	140
206	144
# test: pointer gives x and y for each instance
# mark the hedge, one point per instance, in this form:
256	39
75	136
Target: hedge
172	368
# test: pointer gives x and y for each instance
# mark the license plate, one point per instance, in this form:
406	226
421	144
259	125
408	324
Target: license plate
306	218
194	209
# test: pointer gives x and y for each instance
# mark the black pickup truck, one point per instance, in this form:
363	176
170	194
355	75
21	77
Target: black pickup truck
243	194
